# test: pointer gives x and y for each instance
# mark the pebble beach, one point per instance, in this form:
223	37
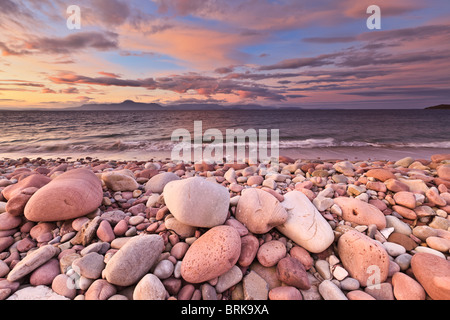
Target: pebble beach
90	229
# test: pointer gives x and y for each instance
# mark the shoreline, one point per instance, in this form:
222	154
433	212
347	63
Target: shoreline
327	153
75	214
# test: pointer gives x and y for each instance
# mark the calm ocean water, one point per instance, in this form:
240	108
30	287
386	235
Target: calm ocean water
307	134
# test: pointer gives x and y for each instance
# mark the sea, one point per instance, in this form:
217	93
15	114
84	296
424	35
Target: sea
303	134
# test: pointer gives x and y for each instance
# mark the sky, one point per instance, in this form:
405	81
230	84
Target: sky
284	53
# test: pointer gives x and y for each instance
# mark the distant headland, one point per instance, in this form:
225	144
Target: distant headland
440	107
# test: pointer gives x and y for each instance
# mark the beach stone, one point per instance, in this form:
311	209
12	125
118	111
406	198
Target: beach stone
16	204
2	206
149	288
179	250
380	174
303	256
360	256
63	285
211	255
329	291
181	229
433	273
403	240
382	291
271	252
406	199
89	266
292	272
406	288
416	185
5	243
72	194
8	221
440	223
134	259
403	261
323	268
4	269
404	162
255	287
322	203
157	183
285	293
344	167
305	225
87	232
105	231
434	197
249	249
405	212
424	249
121	180
100	289
360	212
393	249
45	274
32	261
395	185
36	293
359	295
398	225
229	279
163	269
255	180
439	244
349	284
444	172
440	157
197	202
34	180
120	228
259	211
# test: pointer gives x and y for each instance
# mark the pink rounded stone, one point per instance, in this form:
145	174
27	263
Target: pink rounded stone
285	293
406	288
365	259
303	256
433	273
64	286
211	255
249	248
271	252
105	232
255	180
120	228
380	174
70	195
179	250
406	199
8	221
45	274
293	273
360	212
35	180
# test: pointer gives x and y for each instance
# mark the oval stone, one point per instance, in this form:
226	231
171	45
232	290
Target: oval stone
305	225
197	202
211	255
73	194
134	259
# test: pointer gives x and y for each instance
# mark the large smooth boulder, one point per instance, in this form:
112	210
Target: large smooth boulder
197	202
260	211
34	180
73	194
305	225
121	180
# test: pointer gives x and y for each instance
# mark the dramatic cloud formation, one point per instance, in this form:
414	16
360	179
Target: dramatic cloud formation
283	53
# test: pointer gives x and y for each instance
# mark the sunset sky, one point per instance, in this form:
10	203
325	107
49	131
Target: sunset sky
310	54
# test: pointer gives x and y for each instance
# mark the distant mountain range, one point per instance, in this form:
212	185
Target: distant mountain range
440	107
131	105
